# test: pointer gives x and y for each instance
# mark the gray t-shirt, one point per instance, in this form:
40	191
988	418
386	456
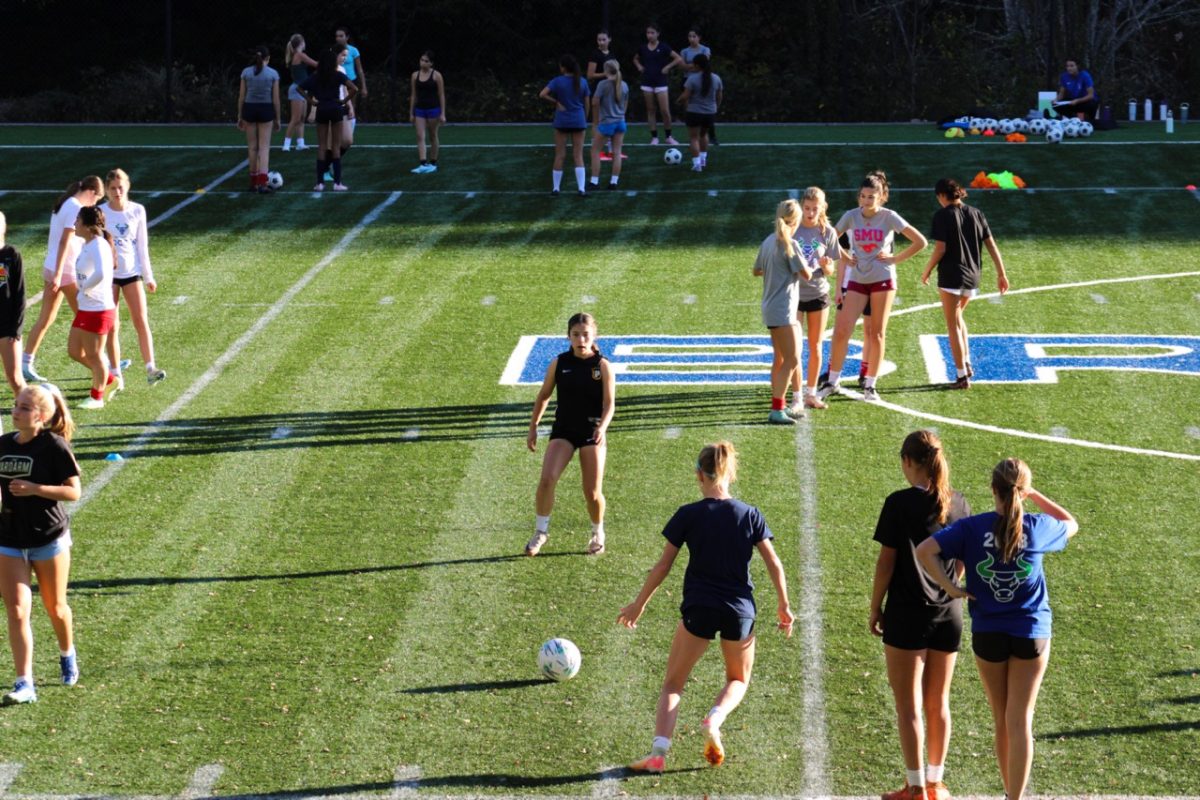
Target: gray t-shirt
816	243
780	275
869	239
610	109
698	102
690	53
258	87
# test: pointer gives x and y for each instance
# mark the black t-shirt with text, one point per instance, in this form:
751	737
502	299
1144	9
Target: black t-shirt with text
29	521
907	520
963	229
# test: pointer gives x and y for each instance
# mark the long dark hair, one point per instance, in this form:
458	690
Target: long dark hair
261	54
568	63
701	61
950	189
93	217
327	68
924	449
75	187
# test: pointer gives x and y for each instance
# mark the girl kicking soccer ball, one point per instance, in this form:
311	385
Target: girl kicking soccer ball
721	535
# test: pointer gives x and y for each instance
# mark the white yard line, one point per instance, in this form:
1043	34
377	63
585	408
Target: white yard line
234	350
8	773
202	782
406	780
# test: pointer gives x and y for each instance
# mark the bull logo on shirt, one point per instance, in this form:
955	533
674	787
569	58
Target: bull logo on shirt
812	250
1004	582
122	228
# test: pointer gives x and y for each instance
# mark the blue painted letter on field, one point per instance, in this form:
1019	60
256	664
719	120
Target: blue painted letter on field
1038	358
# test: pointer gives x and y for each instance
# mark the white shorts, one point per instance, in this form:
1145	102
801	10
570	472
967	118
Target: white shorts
68	275
967	293
655	89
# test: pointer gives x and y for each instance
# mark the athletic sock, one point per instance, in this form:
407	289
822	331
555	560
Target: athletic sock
595	181
660	746
960	373
27	678
150	367
541	524
97	394
668	130
433	161
810	390
716	717
704	159
320	171
916	777
696	162
580	177
556	178
597	529
868	382
934	773
27	359
300	142
67	653
862	369
614	180
777	404
337	170
834	380
287	143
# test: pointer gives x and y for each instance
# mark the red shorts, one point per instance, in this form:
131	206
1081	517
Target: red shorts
870	288
97	322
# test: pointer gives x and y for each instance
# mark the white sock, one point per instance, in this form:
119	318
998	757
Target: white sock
300	142
960	373
704	158
834	380
27	359
916	777
715	718
810	391
150	367
868	382
696	161
541	524
66	653
286	143
614	180
934	773
661	744
595	180
556	178
27	678
597	529
580	177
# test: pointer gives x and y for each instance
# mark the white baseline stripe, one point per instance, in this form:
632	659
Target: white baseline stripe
815	740
8	774
202	782
406	781
234	350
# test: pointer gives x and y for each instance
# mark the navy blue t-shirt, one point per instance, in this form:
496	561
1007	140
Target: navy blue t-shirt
1009	597
720	536
1075	86
653	61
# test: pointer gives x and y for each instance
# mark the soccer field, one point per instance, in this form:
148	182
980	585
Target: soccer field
305	577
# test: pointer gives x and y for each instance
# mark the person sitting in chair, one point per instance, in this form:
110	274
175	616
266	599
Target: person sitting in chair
1076	93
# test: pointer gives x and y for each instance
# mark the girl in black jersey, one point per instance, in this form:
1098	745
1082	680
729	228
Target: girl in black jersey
586	393
38	474
959	232
427	111
12	309
921	625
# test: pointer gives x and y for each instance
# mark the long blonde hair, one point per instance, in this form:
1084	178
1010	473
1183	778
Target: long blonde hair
718	462
612	70
293	46
56	415
817	194
1010	477
787	215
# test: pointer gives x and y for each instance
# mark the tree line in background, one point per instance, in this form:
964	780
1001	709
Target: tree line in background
781	60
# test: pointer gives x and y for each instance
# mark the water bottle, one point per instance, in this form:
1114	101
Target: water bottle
1132	109
1162	111
1170	121
1149	110
1183	113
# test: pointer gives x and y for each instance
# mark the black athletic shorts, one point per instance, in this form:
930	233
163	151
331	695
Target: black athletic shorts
999	647
695	120
706	623
578	437
820	303
258	112
915	629
569	130
330	113
126	281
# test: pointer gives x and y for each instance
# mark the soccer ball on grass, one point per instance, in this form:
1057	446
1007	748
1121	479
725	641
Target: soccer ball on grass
274	180
673	156
559	659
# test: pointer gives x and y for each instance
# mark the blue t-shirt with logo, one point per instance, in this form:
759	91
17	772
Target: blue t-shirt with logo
1075	86
720	536
1010	597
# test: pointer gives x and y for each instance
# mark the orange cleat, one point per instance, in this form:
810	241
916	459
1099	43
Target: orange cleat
937	791
907	793
651	763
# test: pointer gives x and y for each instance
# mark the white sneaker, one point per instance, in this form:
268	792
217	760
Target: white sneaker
340	187
91	404
871	395
826	389
596	544
795	410
320	187
302	146
156	376
714	751
535	542
286	148
419	169
23	692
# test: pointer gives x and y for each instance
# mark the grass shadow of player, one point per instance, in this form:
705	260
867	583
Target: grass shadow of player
1124	730
481	686
511	781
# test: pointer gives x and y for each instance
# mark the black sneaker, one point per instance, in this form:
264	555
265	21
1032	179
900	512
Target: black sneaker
961	383
970	370
554	192
827	389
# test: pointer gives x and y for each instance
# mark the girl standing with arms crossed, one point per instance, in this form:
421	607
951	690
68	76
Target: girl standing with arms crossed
820	250
12	309
921	625
872	229
125	222
721	534
258	115
568	92
38	473
97	311
654	60
586	400
608	106
1002	551
959	230
702	95
58	270
779	264
427	111
299	62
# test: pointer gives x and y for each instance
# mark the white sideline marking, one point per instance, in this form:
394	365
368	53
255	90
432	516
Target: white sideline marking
406	781
234	350
180	300
386	301
470	195
202	782
1061	431
282	432
932	353
2	193
588	299
794	194
712	192
609	784
815	741
672	432
1192	431
8	774
411	435
689	299
631	193
1110	190
155	195
1099	299
488	300
994	299
175	209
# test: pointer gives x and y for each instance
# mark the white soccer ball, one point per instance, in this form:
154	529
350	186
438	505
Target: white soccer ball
1054	135
1086	129
1008	126
274	180
559	659
990	124
977	123
1022	125
1038	127
673	156
1071	128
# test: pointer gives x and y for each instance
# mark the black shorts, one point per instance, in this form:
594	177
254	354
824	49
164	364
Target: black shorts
819	304
330	113
706	623
10	332
569	130
866	308
578	437
917	629
694	120
258	112
126	281
999	647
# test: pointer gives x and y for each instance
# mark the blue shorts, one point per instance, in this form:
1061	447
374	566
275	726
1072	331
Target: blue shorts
294	94
44	553
609	128
428	113
706	623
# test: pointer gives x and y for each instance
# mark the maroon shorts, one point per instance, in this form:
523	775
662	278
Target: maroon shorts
870	288
97	322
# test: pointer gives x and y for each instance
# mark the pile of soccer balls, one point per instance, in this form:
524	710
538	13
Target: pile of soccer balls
1053	129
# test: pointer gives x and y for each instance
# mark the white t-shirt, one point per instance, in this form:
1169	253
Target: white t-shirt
64	218
129	232
94	271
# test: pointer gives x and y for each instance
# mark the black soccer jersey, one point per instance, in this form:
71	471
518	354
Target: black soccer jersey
964	229
12	292
33	521
905	521
580	391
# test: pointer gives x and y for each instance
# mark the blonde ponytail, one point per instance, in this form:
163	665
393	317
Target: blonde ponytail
1010	477
787	217
718	462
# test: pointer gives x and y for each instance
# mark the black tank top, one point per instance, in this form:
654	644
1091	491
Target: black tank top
299	73
580	391
427	92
